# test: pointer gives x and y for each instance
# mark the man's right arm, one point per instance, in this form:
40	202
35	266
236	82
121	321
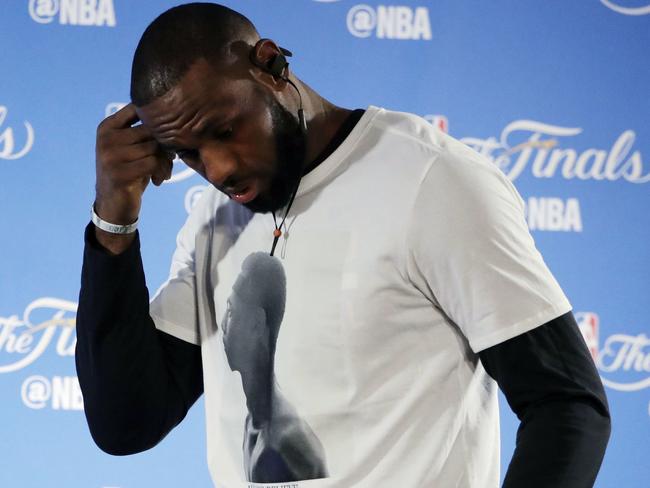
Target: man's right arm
137	382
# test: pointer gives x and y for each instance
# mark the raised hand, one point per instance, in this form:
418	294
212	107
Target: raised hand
127	158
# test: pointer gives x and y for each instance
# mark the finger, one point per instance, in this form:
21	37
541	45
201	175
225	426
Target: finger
141	168
160	172
124	117
162	165
170	169
134	152
133	135
163	170
113	157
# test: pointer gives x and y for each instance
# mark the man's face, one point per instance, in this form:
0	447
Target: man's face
245	332
233	132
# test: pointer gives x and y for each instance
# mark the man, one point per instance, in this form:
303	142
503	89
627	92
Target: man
412	282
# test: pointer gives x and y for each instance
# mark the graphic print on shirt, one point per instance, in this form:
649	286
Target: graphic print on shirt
278	445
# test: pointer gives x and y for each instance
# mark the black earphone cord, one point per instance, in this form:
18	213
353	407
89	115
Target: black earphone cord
278	228
283	64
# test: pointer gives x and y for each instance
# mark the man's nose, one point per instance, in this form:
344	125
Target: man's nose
220	165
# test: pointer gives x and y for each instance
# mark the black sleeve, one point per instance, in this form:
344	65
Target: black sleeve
552	385
137	382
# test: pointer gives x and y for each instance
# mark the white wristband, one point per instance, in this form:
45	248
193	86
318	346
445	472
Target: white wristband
112	228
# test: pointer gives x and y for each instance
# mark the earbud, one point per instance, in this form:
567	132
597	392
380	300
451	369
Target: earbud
277	65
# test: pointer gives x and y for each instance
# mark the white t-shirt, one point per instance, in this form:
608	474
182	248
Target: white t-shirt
404	254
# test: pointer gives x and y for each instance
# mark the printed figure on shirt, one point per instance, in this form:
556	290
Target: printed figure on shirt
278	445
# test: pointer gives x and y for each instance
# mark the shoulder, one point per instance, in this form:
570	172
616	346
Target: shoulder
406	129
396	148
460	173
465	196
446	158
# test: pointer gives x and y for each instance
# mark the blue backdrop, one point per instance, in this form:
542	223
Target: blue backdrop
556	93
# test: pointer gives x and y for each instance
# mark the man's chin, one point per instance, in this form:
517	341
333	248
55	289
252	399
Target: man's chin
260	205
266	203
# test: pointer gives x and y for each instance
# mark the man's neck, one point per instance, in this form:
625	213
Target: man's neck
324	119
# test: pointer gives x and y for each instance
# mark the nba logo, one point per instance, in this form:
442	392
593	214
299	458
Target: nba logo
588	324
439	121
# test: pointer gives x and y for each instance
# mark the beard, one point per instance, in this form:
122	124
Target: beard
290	149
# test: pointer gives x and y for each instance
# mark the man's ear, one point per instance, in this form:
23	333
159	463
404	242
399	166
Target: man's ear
271	61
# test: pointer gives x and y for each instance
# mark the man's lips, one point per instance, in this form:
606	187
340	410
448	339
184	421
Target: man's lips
244	193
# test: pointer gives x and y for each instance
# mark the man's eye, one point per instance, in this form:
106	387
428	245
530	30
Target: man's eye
187	154
224	134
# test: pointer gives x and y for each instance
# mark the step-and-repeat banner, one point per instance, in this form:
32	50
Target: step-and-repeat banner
555	93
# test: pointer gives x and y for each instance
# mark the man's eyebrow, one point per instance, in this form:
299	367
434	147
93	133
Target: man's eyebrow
210	122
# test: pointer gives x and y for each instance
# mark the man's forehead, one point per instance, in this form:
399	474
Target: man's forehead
202	85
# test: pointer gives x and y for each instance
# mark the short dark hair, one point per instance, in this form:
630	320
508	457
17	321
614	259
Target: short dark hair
178	38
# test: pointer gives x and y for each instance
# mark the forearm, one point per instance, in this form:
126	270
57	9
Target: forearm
560	443
130	375
552	385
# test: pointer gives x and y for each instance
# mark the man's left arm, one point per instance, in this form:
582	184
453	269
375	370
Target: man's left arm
471	253
552	385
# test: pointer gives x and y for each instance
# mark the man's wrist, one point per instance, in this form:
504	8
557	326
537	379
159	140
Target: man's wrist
110	227
115	212
114	244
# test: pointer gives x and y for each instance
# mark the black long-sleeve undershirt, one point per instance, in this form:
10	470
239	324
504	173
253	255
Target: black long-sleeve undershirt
551	384
139	382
